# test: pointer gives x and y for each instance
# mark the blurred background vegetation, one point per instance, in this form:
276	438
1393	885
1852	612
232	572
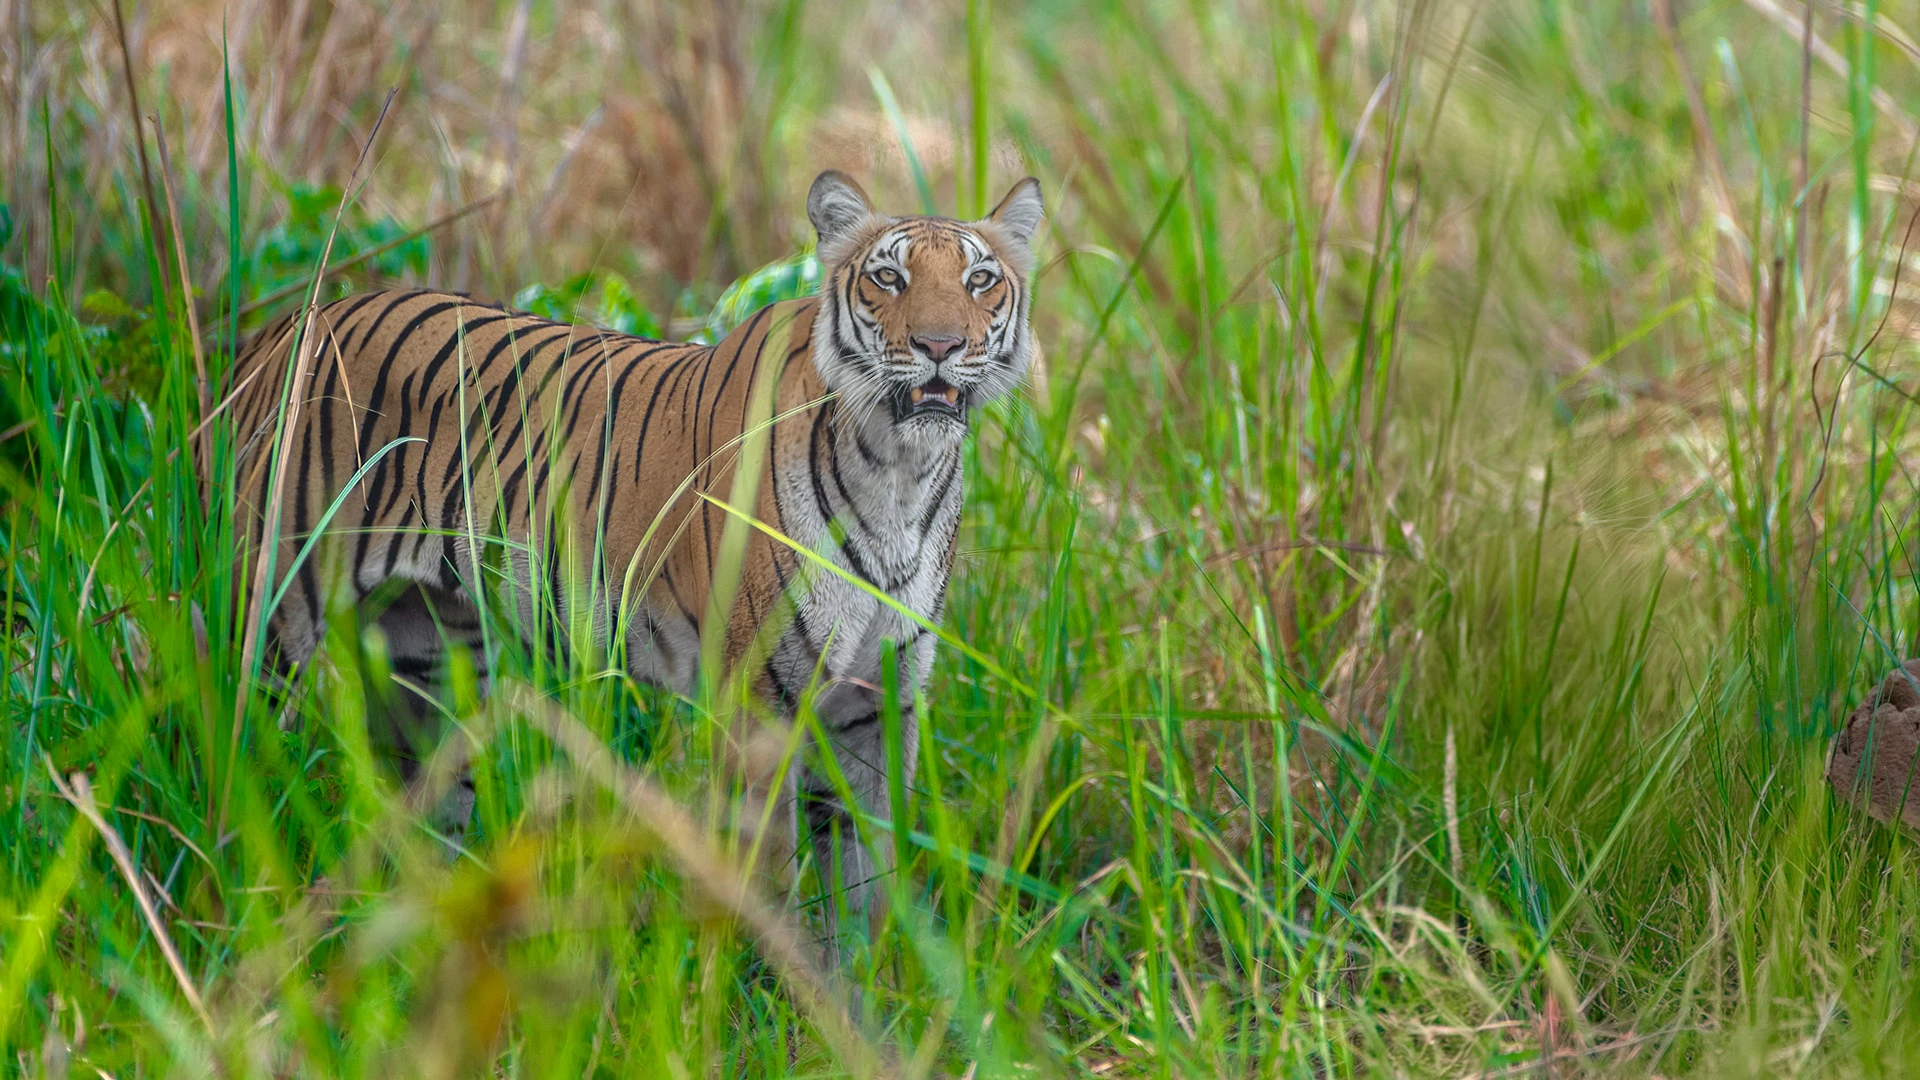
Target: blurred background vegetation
1471	470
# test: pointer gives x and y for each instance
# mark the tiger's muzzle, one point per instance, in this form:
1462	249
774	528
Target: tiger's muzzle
935	398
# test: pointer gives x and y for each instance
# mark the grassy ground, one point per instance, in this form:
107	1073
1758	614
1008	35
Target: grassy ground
1471	472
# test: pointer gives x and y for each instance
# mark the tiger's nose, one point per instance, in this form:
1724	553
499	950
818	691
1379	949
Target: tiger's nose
937	346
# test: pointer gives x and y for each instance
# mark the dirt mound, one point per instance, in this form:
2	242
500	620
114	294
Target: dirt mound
1875	751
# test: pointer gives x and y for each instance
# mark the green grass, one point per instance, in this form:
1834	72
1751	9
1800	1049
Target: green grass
1466	483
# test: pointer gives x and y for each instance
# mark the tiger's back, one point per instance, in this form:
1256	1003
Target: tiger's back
579	455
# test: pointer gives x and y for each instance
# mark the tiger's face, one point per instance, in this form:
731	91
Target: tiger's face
923	319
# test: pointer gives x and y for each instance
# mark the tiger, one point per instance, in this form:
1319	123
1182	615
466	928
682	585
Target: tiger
434	427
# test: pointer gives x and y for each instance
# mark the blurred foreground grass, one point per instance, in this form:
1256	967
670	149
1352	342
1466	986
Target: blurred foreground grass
1472	470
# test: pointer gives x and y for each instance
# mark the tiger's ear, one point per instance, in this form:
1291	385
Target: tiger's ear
1021	211
836	205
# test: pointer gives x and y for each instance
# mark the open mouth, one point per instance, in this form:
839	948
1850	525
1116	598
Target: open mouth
935	397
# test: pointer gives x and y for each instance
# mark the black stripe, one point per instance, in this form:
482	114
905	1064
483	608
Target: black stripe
325	419
374	499
471	421
833	465
656	640
413	664
673	592
352	344
399	457
520	421
581	377
752	328
864	721
309	581
600	471
420	479
449	566
775	551
619	390
646	419
866	452
938	501
786	699
820	501
460	333
394	539
379	394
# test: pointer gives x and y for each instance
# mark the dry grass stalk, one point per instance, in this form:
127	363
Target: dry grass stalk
180	260
506	119
80	794
139	140
290	423
1450	803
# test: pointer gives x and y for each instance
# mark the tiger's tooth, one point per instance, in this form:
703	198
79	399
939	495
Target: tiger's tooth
916	394
952	395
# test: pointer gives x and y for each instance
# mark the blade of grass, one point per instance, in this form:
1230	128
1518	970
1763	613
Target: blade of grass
884	91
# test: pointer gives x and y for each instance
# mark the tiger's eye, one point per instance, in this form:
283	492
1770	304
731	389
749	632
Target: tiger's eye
886	277
980	279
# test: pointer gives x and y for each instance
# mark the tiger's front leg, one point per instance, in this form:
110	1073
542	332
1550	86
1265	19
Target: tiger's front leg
412	721
852	867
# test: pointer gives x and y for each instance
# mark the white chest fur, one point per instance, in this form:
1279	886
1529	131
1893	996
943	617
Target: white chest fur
883	509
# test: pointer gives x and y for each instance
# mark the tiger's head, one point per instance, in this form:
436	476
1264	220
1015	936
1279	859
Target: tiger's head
922	319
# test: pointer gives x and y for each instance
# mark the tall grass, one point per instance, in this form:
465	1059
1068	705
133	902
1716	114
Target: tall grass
1469	475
